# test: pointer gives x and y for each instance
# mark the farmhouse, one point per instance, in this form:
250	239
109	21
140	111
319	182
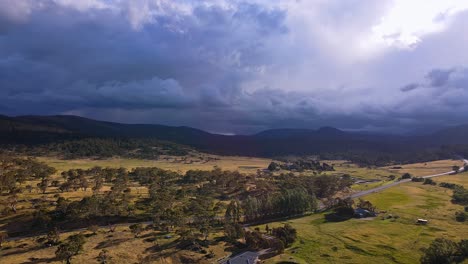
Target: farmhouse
248	257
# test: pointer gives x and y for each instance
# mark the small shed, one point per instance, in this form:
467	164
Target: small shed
421	221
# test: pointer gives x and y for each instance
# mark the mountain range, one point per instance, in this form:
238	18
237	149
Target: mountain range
276	142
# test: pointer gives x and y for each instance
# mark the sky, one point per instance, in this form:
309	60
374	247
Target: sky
238	67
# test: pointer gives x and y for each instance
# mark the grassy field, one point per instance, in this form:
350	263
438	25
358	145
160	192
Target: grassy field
354	241
381	241
182	164
122	247
428	168
416	169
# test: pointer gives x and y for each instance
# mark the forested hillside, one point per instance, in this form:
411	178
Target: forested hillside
72	136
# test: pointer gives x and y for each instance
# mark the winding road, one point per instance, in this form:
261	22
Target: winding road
380	188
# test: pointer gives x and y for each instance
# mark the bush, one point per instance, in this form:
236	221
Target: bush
136	229
449	185
287	234
74	245
429	181
406	176
460	216
460	195
441	251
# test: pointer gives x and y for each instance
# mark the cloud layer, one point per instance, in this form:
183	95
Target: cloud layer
238	67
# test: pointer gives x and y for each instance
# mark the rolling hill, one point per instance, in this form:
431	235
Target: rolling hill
33	130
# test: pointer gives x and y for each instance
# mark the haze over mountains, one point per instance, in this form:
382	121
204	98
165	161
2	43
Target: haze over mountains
276	142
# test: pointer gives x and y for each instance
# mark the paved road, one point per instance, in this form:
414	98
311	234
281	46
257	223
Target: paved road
378	189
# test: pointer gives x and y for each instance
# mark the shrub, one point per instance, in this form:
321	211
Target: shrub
441	251
429	181
74	245
417	179
406	176
460	216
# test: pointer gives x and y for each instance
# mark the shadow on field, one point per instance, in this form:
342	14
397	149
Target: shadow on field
33	260
334	217
111	243
25	250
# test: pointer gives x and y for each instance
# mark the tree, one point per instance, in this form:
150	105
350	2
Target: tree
234	231
103	257
441	251
366	205
12	202
3	237
67	250
136	229
287	234
255	240
233	212
463	248
93	229
41	218
460	216
456	168
406	176
429	181
43	185
53	237
273	166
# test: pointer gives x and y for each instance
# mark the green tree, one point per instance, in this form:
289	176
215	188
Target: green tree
53	236
103	257
136	229
94	229
3	237
43	185
463	248
287	234
233	212
72	247
441	251
406	176
273	166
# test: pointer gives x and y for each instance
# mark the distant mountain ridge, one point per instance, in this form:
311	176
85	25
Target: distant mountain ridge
274	142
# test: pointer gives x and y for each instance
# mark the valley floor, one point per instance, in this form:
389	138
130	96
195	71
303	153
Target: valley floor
391	237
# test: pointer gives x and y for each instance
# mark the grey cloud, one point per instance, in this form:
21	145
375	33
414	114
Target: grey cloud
439	77
409	87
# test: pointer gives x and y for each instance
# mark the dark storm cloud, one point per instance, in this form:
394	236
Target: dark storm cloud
226	66
95	59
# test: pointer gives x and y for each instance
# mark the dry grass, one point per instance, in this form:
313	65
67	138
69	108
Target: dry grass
181	164
354	241
428	168
121	245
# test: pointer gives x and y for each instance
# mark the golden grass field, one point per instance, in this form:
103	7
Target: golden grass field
353	241
182	164
122	247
